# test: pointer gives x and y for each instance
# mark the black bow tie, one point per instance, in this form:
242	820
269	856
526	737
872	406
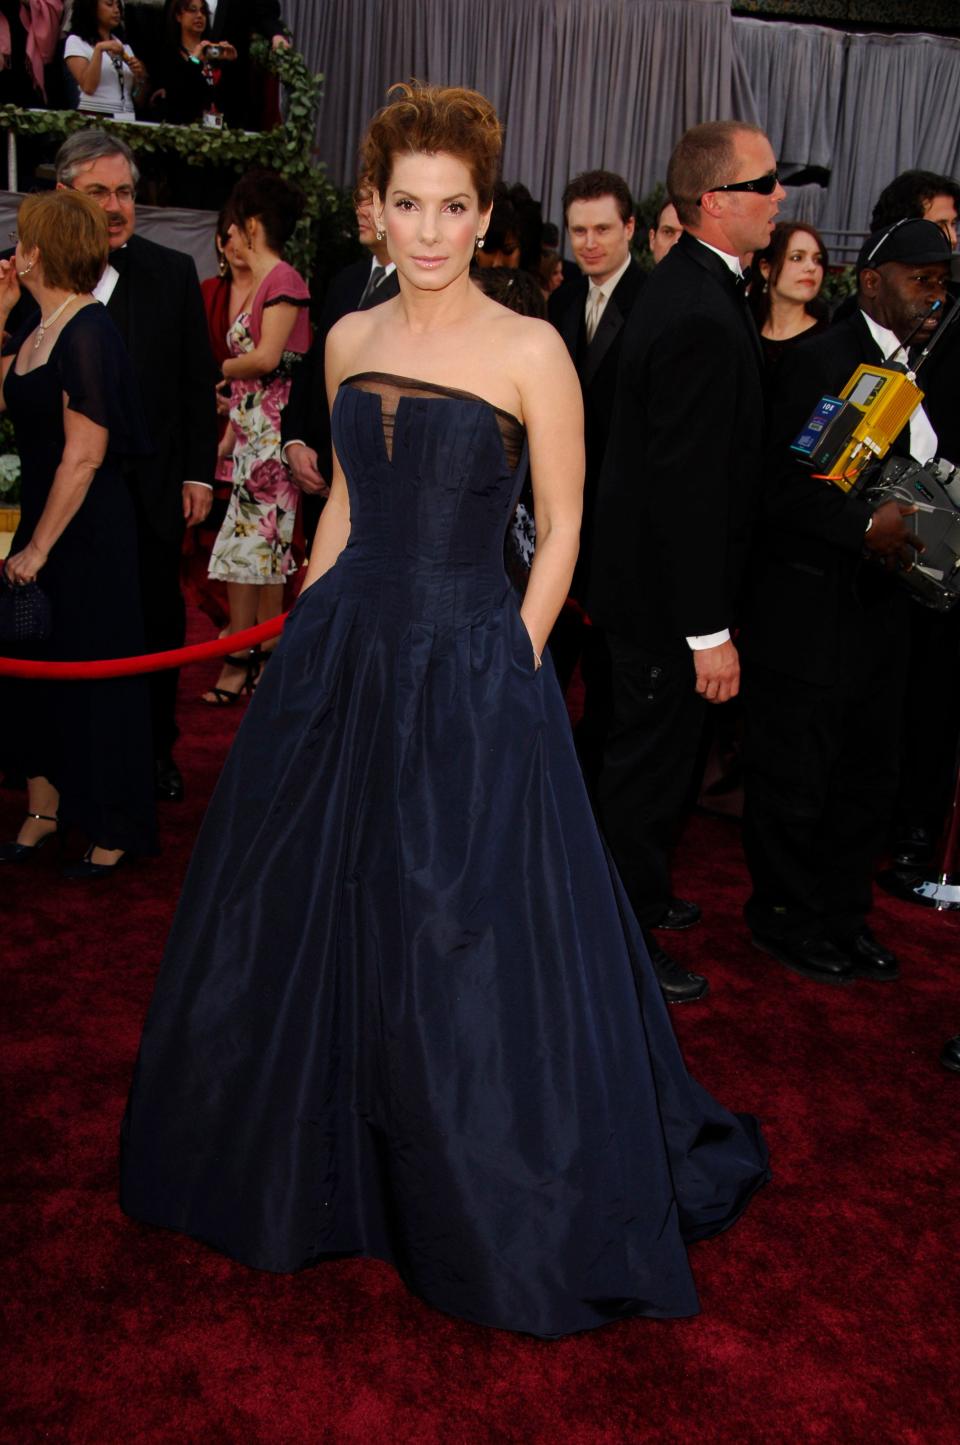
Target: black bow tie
119	259
739	284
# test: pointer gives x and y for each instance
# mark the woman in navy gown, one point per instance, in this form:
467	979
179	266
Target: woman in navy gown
405	1011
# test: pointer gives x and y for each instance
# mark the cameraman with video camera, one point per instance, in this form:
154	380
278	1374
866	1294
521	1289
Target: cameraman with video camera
825	638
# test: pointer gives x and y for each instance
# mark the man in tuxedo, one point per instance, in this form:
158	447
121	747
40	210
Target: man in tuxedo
676	500
153	295
662	237
305	422
590	315
826	638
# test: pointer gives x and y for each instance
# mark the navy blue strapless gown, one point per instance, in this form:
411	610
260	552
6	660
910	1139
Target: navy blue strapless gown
405	1011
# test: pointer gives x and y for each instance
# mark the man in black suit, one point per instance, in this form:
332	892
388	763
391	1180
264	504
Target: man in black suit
305	423
153	295
825	639
590	315
675	504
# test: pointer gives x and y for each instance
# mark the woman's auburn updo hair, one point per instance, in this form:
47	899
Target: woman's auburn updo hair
426	119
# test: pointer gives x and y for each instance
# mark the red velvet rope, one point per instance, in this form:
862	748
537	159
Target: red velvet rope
150	662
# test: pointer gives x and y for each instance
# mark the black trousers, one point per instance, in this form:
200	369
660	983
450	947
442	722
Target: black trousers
821	766
164	625
648	764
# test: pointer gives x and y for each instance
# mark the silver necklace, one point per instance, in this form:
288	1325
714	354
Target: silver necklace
44	326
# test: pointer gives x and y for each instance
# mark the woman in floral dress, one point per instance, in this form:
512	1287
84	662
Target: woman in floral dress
270	335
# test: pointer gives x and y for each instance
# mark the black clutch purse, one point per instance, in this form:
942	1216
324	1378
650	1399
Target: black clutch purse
25	612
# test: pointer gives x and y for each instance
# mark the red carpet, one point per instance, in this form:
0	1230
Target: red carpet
830	1313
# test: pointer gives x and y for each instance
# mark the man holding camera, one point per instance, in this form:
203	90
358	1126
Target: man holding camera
825	638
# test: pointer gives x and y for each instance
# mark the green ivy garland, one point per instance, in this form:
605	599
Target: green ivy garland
287	149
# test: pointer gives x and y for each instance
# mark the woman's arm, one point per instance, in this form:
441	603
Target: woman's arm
85	446
553	415
333	529
87	72
278	323
9	296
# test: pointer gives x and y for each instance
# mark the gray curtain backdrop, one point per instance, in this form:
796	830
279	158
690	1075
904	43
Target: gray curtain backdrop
864	107
584	83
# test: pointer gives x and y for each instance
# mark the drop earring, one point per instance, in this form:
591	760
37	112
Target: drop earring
381	235
27	269
479	243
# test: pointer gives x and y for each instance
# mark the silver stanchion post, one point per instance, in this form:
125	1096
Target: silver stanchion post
12	177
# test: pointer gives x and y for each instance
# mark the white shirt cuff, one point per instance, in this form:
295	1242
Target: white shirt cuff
208	485
293	442
708	639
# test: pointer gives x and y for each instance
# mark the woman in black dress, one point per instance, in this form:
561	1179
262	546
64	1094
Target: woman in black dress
84	747
787	279
195	81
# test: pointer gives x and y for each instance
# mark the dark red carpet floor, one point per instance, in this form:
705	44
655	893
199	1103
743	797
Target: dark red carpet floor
830	1313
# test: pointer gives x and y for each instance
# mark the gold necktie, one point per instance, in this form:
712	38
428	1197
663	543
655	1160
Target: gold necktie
594	306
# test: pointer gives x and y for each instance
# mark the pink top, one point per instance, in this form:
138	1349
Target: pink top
283	284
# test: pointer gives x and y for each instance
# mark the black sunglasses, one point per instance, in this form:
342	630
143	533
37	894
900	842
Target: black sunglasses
763	186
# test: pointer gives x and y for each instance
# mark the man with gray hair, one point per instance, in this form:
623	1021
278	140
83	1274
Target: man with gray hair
153	295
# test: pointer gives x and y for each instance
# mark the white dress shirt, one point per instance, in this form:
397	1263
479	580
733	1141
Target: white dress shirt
598	296
924	443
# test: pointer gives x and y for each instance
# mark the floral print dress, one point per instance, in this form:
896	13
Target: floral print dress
254	541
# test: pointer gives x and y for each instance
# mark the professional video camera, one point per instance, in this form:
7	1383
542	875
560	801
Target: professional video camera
844	442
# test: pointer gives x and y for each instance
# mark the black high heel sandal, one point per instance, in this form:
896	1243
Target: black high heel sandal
86	869
23	852
225	696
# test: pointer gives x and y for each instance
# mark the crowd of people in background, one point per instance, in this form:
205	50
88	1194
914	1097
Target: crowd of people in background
224	392
187	62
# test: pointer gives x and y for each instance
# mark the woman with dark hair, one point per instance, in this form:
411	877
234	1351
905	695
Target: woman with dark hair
268	337
109	75
84	746
787	279
194	78
406	1011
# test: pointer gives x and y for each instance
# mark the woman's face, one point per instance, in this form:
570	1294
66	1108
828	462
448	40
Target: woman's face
237	255
432	218
801	274
109	14
193	19
556	277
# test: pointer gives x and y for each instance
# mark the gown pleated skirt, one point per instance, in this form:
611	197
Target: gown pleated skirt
405	1010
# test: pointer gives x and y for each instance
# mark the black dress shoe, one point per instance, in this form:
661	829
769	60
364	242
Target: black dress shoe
168	784
680	913
86	870
950	1058
868	957
676	984
814	957
913	847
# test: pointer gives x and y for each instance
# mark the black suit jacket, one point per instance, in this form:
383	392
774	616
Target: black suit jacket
597	367
306	416
678	489
158	309
807	574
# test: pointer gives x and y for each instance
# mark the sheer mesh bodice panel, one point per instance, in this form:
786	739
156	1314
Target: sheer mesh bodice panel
390	389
